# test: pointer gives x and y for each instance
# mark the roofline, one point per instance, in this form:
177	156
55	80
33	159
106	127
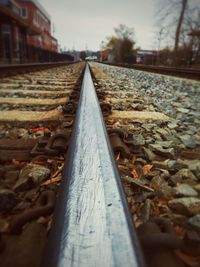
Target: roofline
9	13
54	38
16	3
40	7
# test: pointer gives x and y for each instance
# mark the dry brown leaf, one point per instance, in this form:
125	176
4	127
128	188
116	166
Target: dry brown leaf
122	167
116	124
118	157
146	169
56	173
60	169
52	180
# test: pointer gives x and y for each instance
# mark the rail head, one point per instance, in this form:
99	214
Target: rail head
92	225
13	69
189	73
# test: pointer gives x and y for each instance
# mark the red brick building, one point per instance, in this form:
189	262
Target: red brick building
147	57
25	31
105	54
34	14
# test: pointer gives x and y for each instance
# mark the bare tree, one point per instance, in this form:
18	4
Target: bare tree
124	32
180	22
122	44
192	40
179	19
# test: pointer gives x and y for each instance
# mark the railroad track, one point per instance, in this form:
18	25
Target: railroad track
36	114
91	224
188	73
9	70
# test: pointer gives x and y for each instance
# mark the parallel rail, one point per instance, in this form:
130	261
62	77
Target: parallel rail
9	70
91	226
179	72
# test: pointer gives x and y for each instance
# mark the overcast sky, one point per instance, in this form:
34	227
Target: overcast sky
84	24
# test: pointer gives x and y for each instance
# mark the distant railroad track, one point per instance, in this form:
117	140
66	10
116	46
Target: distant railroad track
13	69
188	73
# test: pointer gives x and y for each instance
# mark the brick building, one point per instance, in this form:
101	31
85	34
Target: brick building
25	31
106	55
34	14
147	57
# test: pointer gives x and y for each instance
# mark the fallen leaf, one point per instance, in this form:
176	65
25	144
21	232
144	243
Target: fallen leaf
116	124
55	174
134	174
60	169
146	169
52	180
122	167
118	157
137	183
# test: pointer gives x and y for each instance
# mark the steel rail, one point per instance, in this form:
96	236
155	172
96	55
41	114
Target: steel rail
12	69
193	73
91	226
189	73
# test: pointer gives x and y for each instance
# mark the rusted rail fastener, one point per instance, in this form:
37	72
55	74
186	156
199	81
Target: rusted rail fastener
91	225
116	137
44	206
159	243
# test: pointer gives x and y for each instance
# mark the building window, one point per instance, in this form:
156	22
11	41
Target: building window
24	12
6	42
5	28
17	39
